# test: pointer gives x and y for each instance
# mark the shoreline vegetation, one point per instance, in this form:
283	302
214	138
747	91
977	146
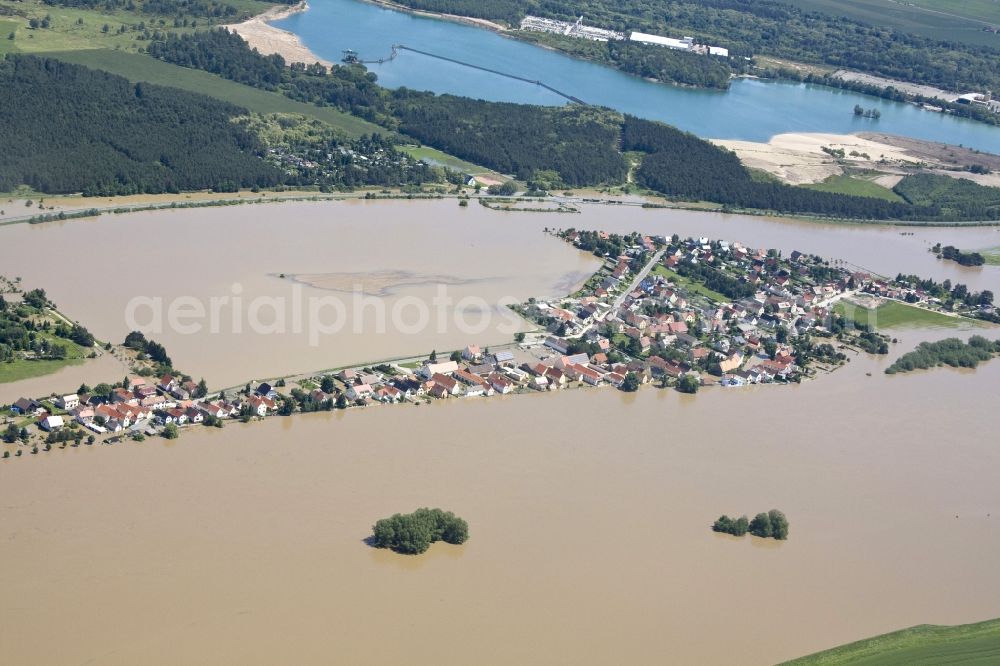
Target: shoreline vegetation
671	312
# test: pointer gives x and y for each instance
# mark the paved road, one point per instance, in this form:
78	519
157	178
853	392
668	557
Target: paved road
639	277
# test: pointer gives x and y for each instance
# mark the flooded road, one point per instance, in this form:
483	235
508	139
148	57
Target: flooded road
589	515
397	255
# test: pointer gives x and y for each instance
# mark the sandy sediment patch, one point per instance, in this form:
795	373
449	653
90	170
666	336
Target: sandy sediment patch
799	158
261	35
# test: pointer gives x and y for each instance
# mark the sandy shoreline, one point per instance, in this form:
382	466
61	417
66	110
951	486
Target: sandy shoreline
799	158
268	40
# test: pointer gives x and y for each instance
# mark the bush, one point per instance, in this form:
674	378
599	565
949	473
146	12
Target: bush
413	533
736	527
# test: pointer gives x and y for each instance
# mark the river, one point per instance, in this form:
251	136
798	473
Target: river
751	110
590	539
400	254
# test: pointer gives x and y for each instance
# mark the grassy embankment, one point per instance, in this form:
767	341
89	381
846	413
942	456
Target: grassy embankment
855	186
923	645
950	20
893	314
24	369
992	256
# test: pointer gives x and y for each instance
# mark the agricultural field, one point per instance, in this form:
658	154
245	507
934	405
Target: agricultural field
893	314
855	186
923	645
949	20
435	156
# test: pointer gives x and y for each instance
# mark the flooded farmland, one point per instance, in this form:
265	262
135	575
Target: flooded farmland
589	513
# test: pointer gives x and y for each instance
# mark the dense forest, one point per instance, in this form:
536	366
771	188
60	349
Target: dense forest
101	134
958	198
681	165
580	143
104	136
768	27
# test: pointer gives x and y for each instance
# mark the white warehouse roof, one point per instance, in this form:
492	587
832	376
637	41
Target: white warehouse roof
661	41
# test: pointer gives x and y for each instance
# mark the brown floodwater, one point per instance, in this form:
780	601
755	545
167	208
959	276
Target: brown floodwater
397	254
589	513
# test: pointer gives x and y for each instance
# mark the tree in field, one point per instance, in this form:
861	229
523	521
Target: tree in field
11	434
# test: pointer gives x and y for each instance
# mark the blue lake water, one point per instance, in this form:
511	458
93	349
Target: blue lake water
751	109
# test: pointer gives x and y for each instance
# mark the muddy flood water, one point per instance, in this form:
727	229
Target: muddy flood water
395	255
589	509
589	515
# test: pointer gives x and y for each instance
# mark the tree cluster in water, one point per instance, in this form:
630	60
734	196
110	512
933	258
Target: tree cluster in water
952	253
413	533
772	524
951	352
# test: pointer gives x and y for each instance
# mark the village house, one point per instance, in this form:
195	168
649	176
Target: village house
359	391
501	384
450	384
430	369
167	383
27	407
51	423
68	402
